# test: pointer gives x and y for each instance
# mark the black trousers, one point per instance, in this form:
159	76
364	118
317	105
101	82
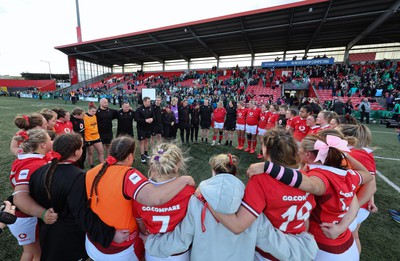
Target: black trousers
183	130
366	115
194	130
174	130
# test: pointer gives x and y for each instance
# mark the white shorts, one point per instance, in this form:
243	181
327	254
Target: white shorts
182	257
24	230
251	129
218	125
362	215
261	132
240	127
126	255
353	225
350	255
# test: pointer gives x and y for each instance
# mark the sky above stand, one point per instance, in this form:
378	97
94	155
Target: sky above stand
30	29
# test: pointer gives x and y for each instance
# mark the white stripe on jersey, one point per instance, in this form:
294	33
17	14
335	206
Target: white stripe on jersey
139	188
250	209
337	171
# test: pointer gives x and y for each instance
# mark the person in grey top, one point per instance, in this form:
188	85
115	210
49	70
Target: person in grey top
365	110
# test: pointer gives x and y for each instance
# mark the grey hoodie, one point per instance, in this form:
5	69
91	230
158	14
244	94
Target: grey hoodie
224	193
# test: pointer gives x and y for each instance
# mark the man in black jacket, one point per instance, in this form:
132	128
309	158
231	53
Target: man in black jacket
184	121
144	117
125	119
105	116
206	111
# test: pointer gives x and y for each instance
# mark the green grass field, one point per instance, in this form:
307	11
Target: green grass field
378	232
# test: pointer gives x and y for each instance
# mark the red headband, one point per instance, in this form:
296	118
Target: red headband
26	118
111	160
53	155
24	135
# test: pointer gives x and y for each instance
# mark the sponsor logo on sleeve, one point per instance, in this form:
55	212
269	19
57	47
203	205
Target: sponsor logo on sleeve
23	174
135	178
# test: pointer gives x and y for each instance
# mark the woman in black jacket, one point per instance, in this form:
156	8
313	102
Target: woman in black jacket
230	123
184	121
194	122
168	121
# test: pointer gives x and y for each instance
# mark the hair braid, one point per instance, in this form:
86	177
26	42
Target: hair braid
49	176
96	181
66	145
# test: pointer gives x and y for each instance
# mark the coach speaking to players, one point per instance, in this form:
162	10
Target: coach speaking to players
144	117
105	116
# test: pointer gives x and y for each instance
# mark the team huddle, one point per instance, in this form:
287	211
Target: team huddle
305	200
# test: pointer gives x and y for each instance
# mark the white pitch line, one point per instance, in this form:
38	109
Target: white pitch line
385	132
8	108
388	181
377	157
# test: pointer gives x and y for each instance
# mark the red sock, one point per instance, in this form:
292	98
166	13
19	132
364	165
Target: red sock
220	138
242	141
239	141
214	137
249	144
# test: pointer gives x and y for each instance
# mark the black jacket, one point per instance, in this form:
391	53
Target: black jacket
205	113
184	119
230	114
194	117
104	120
65	239
141	114
125	122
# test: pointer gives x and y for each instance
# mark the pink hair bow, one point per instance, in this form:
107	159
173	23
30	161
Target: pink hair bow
331	142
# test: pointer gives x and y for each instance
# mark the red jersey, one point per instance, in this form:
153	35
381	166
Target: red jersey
288	121
300	128
22	169
314	130
164	218
340	188
327	126
366	158
241	116
273	118
264	116
219	115
252	116
134	181
63	127
287	208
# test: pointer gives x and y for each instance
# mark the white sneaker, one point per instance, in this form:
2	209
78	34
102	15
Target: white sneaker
213	143
218	143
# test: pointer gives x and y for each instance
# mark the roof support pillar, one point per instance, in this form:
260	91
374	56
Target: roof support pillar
346	56
252	60
284	56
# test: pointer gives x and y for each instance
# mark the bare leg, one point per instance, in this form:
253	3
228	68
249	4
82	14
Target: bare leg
31	252
90	151
100	151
